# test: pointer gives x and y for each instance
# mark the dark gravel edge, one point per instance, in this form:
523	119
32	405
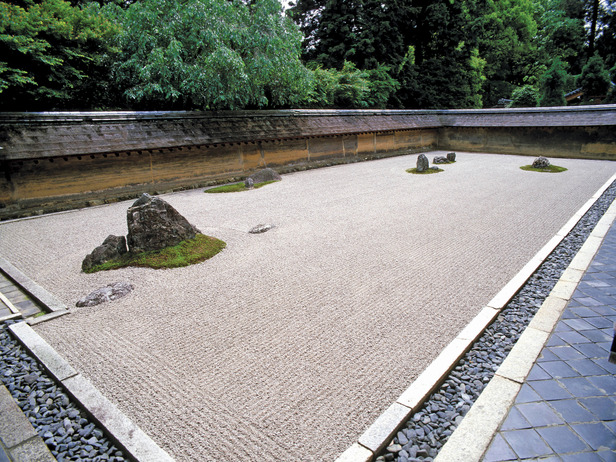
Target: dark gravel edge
428	429
66	429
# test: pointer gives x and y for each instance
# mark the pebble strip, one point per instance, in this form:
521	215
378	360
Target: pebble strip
427	430
65	429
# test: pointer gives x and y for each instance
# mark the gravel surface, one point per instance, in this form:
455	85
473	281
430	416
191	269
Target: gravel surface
289	344
67	431
428	429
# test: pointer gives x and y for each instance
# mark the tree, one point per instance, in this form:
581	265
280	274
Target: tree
208	54
525	96
553	85
595	79
52	55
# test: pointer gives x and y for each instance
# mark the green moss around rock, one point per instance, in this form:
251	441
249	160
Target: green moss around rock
550	169
186	253
237	187
425	172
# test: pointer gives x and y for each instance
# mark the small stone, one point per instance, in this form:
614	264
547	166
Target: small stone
395	448
249	183
262	228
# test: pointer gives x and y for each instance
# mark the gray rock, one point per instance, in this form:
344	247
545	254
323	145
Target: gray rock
451	156
267	174
106	294
541	162
113	247
249	183
422	163
440	160
154	224
260	229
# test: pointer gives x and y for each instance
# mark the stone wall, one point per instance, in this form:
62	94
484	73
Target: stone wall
58	161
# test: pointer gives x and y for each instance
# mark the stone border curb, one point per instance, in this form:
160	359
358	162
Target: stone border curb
380	433
18	438
474	434
54	305
130	438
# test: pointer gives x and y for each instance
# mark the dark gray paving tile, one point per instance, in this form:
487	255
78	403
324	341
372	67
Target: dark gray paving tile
527	443
547	355
549	389
572	411
566	352
573	337
588	301
607	456
582	457
604	407
591	350
605	310
605	364
605	383
499	451
599	322
583	312
612	426
594	283
580	387
562	439
515	420
539	414
557	369
563	325
538	373
596	335
596	435
527	395
578	324
586	367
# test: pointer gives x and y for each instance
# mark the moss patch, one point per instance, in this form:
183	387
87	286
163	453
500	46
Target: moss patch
425	172
236	187
550	169
185	253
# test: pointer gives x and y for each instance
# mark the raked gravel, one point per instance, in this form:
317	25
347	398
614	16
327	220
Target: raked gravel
428	429
288	344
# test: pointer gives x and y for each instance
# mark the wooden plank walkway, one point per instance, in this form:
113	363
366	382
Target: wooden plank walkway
14	302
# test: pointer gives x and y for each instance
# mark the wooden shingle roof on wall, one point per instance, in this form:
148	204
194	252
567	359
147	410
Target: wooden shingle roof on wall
41	135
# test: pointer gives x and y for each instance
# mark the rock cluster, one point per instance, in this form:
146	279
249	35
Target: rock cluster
422	163
428	429
106	294
153	224
266	174
541	162
112	248
66	430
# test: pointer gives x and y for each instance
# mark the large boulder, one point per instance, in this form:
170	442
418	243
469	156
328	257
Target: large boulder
422	163
541	162
112	248
106	294
440	160
451	156
154	224
267	174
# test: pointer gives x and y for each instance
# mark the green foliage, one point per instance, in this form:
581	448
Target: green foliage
595	79
550	169
351	87
186	253
209	54
553	86
236	187
428	171
525	96
52	55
